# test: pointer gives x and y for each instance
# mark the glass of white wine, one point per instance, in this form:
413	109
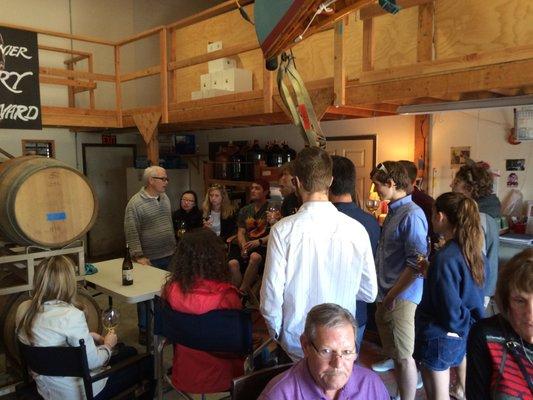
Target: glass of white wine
110	319
372	205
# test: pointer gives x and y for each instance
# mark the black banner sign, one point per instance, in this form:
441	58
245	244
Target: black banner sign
20	100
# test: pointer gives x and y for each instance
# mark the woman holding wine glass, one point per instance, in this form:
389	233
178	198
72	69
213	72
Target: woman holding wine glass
54	317
218	212
188	216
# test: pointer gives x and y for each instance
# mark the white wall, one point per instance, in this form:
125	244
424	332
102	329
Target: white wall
486	132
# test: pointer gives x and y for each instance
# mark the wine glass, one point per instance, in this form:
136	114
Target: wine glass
273	213
181	229
110	319
372	205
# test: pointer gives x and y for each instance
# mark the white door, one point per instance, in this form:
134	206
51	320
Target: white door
362	152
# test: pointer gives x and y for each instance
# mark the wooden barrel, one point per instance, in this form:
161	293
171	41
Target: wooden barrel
8	310
44	202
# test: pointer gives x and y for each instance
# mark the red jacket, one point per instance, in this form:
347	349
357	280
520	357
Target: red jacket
195	371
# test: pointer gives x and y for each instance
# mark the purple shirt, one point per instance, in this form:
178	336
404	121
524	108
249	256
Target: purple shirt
298	384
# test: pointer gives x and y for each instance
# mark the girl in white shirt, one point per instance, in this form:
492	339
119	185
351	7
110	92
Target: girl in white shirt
53	317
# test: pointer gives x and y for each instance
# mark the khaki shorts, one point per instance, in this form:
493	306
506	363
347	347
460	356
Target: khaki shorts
397	329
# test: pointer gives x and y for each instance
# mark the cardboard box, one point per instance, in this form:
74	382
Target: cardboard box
214	46
197	95
234	79
205	82
215	92
221	64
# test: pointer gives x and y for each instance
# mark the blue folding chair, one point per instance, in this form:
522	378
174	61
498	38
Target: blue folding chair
217	331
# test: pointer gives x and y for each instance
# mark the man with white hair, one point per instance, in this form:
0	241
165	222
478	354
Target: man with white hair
148	228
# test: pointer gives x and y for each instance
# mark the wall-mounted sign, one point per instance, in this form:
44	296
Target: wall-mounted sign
459	155
20	100
109	139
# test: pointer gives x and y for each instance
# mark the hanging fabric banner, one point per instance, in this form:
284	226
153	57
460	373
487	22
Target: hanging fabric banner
20	100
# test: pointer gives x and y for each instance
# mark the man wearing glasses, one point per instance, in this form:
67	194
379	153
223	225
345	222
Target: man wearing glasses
328	369
149	230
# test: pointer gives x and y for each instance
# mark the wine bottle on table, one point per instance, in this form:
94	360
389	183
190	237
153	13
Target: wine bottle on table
127	269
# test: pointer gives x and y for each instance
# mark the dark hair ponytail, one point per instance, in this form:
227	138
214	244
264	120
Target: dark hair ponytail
463	214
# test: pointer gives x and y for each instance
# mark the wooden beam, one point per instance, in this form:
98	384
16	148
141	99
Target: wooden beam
374	10
222	8
76	59
382	107
43	79
91	91
355	112
142	73
466	62
268	90
76	117
217	110
339	63
369	45
59	34
147	125
75	74
163	79
173	75
424	49
225	52
118	86
421	154
141	35
504	75
62	50
212	101
322	100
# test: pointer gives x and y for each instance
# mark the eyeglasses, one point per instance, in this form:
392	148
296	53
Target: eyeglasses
161	178
328	354
188	201
216	186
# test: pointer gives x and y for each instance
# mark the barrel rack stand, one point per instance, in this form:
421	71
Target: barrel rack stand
24	258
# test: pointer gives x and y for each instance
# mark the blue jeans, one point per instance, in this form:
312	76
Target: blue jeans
142	308
441	353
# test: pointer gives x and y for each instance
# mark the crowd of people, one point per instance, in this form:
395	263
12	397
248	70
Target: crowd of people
431	269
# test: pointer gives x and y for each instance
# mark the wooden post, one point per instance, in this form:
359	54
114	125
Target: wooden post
163	82
339	65
268	90
421	154
424	49
173	74
118	87
70	89
91	91
147	125
368	44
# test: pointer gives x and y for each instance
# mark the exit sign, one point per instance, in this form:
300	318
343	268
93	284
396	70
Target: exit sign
109	139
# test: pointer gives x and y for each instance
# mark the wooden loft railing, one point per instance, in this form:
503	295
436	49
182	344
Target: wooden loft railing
375	91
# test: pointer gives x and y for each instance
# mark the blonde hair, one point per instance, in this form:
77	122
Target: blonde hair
463	214
227	209
54	280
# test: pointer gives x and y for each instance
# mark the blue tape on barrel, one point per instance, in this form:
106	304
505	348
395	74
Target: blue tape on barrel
56	216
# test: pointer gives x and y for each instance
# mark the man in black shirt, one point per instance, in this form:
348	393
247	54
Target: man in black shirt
341	195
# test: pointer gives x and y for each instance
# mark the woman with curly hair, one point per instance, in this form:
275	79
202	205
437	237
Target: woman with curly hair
199	283
453	295
475	181
218	212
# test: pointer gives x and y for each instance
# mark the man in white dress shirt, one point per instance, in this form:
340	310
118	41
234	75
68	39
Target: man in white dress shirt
318	255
